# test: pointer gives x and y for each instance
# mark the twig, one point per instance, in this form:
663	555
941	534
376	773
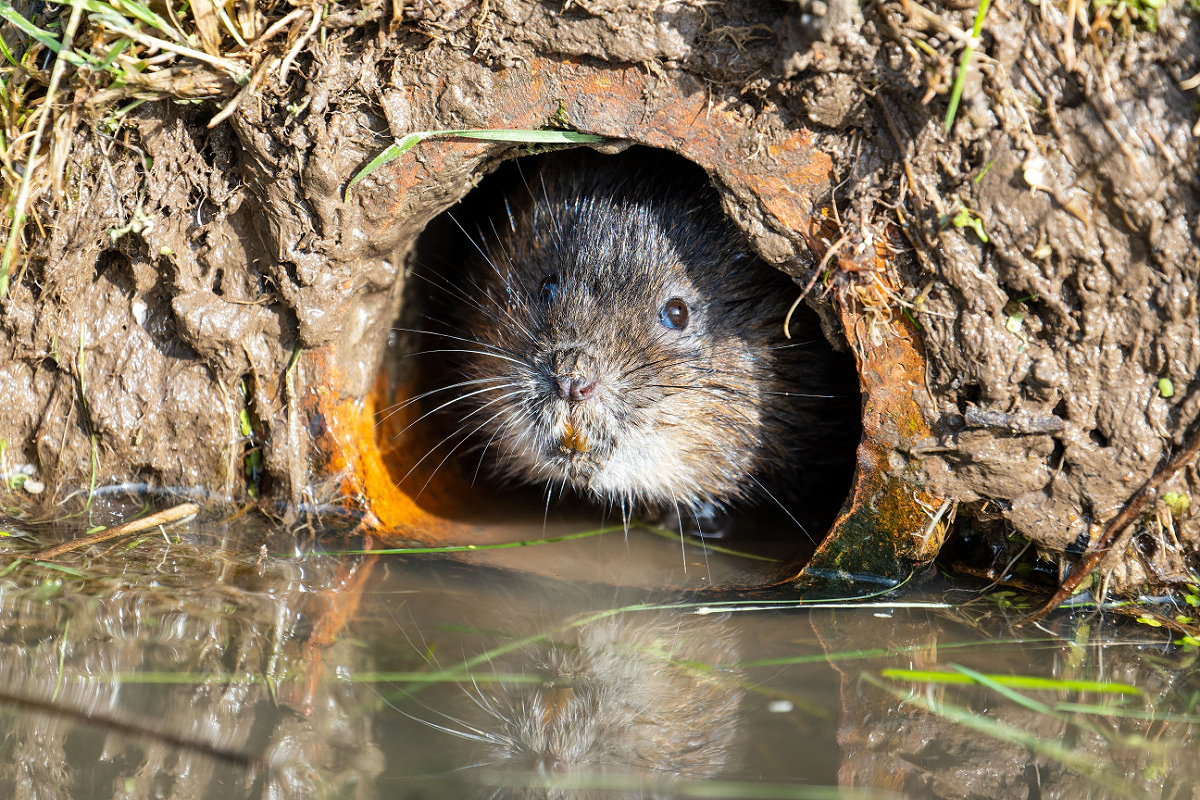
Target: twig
280	25
136	729
251	86
930	18
812	282
1117	525
290	58
232	68
1069	35
165	517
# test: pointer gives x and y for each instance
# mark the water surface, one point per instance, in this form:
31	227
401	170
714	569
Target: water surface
227	658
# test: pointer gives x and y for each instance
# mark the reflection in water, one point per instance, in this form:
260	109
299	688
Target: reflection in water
176	671
635	698
201	665
1101	724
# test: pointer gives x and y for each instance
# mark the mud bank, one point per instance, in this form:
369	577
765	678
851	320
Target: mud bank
197	282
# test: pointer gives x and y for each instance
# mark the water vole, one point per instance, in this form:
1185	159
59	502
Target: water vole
622	341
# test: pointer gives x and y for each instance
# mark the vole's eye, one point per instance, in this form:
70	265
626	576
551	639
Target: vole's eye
548	289
674	314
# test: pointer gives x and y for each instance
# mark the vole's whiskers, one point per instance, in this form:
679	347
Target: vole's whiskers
480	249
474	301
556	224
505	278
483	450
720	390
468	732
808	395
644	365
682	537
785	509
454	449
396	408
444	284
460	398
546	509
456	432
491	349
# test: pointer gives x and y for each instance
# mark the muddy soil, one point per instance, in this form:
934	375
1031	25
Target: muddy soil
176	294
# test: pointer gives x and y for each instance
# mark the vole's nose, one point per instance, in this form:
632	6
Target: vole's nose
574	389
574	375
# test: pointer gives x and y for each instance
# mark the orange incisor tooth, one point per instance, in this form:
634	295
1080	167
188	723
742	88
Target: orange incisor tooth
556	703
573	440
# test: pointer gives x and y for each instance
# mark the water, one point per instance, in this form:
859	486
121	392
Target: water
226	659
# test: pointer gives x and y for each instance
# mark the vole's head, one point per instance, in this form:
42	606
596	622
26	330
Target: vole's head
624	341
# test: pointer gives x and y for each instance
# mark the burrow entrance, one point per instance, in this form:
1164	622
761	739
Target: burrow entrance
448	426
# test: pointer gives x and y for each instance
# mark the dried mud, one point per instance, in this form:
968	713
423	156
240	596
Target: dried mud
186	266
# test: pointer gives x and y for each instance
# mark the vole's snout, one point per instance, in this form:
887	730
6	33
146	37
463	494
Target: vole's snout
574	389
573	375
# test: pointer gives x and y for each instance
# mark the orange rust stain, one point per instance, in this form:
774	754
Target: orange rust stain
351	452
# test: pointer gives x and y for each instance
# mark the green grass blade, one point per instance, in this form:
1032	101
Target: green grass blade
7	53
1009	681
74	573
526	136
845	656
478	678
19	22
163	678
397	148
1116	712
28	28
392	152
1083	763
229	26
960	79
476	548
674	536
117	9
116	50
999	688
147	16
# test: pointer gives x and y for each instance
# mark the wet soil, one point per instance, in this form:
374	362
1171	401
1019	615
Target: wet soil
177	296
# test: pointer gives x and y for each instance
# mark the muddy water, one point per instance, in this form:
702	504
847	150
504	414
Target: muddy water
227	659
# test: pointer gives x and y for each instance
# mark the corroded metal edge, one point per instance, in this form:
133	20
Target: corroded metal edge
890	523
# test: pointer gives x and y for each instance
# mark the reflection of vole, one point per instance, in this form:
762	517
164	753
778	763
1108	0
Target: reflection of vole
623	695
623	342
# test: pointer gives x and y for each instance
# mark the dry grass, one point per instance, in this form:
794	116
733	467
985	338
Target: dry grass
89	62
